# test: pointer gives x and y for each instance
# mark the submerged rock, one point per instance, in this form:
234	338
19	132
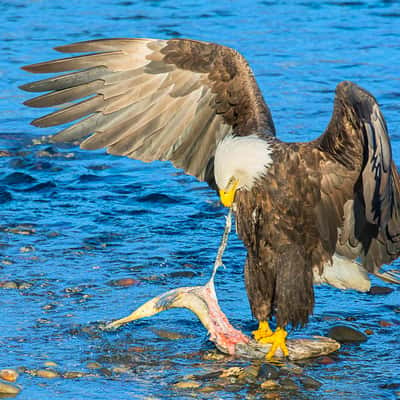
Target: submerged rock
346	334
269	371
8	389
270	384
124	282
288	384
8	285
310	383
45	373
9	375
93	365
187	385
73	374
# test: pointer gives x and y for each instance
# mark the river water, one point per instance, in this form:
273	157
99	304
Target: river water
72	222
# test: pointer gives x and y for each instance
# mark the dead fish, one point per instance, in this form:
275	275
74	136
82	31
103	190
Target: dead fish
202	301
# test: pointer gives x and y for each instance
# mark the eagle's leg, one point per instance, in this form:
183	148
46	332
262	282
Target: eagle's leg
278	341
263	331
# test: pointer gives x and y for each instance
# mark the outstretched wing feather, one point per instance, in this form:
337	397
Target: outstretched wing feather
152	99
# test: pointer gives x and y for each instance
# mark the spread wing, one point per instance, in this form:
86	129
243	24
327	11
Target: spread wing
360	182
152	99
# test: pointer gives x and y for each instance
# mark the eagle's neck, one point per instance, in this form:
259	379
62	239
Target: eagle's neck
246	158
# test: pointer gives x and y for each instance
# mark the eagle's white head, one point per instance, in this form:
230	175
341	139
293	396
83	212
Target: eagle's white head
239	162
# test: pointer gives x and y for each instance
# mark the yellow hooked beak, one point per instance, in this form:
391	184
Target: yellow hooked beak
227	195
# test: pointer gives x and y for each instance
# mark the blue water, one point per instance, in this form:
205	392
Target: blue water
74	221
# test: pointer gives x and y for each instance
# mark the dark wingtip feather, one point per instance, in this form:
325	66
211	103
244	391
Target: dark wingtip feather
33	68
26	87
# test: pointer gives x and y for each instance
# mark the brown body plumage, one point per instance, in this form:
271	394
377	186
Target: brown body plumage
179	99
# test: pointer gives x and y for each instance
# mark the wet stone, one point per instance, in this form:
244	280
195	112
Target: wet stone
73	374
45	373
325	360
385	324
26	249
270	384
250	373
288	384
187	385
93	365
346	334
209	389
8	285
8	389
124	282
380	290
50	364
171	335
310	383
105	371
21	230
292	369
214	355
210	376
272	396
9	375
24	285
230	372
268	371
121	370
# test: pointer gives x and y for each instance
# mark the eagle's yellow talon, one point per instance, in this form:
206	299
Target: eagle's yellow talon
278	341
263	331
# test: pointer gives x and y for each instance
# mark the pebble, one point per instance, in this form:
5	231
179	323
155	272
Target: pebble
250	373
73	375
310	383
24	285
9	375
233	371
292	369
380	290
326	360
50	364
6	388
268	372
45	373
93	365
214	355
121	370
26	249
209	389
21	230
270	384
105	371
171	335
187	385
385	323
8	285
124	282
346	334
288	384
272	396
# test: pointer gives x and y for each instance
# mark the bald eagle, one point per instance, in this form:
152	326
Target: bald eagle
197	104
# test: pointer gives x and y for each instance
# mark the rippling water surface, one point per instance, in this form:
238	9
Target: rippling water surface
73	221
